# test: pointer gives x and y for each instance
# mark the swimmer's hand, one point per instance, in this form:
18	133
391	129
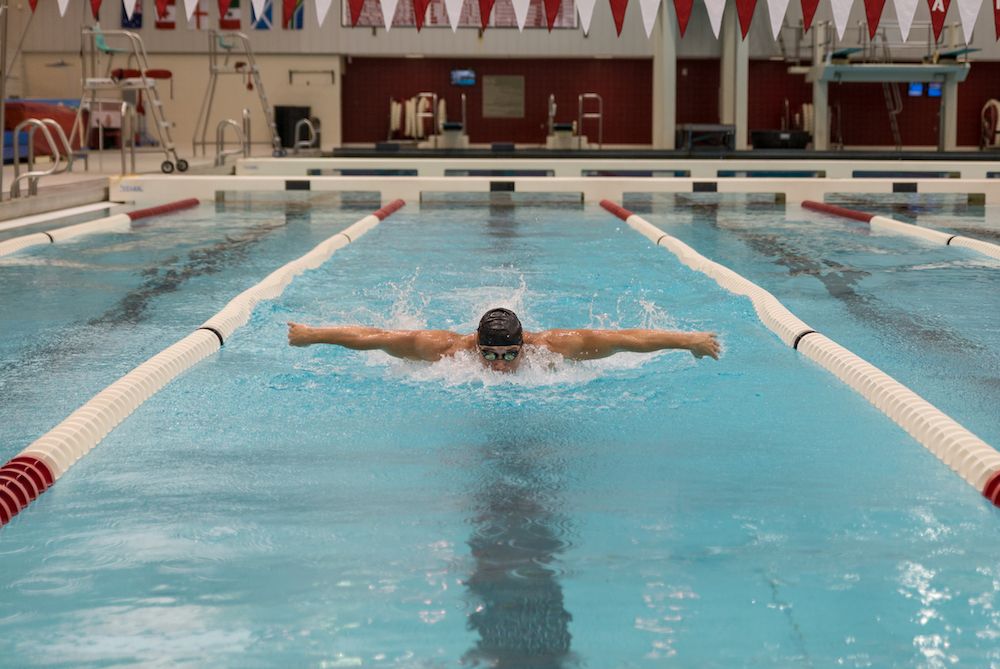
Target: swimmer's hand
704	343
299	334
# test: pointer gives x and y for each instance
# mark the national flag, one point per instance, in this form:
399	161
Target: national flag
136	21
199	17
166	14
262	22
293	14
233	18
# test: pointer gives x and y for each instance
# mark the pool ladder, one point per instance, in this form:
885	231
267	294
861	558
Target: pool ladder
32	175
587	111
242	137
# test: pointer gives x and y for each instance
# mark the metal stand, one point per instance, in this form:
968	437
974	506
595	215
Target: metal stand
592	114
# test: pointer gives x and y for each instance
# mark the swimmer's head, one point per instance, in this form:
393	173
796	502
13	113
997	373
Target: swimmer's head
499	327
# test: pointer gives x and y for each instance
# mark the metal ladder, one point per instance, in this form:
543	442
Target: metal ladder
595	115
32	175
217	41
890	90
95	41
432	115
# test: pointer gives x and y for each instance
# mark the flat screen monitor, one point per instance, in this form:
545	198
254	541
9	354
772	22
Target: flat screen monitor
915	90
934	89
463	78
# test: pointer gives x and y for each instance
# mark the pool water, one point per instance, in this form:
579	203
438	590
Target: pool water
328	508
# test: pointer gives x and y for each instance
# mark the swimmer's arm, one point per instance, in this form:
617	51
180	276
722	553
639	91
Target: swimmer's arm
428	345
592	344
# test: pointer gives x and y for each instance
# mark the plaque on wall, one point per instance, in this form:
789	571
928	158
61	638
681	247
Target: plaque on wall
503	96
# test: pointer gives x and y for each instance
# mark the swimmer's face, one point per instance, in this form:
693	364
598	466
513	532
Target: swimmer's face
501	358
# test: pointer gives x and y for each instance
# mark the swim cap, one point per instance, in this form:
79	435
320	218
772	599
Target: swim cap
499	327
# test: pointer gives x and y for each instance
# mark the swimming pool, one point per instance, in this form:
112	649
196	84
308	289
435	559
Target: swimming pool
318	507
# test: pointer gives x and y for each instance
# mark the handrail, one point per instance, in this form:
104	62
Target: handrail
305	143
598	116
246	132
128	130
67	149
220	141
551	109
31	176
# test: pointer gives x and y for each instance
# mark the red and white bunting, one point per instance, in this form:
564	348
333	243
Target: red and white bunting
873	12
841	12
776	10
322	8
744	10
189	7
454	9
95	9
33	4
485	7
618	8
355	7
648	9
996	17
521	12
63	4
905	9
257	5
968	11
129	6
420	12
388	12
585	8
939	9
551	12
715	10
808	12
683	10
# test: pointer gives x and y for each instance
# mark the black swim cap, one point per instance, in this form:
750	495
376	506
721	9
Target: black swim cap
499	327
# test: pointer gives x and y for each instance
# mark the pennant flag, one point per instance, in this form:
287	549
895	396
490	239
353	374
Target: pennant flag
261	21
841	12
95	8
233	18
776	10
485	7
63	4
223	7
968	10
618	8
521	12
905	9
551	12
454	9
166	19
996	17
389	12
133	22
198	19
744	9
683	10
34	4
420	12
258	8
715	9
808	12
189	7
648	9
586	10
128	6
939	9
322	7
292	14
355	7
873	11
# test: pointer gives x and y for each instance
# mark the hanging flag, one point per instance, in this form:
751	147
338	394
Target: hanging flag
968	11
198	19
454	9
420	12
389	12
715	9
683	10
292	14
257	8
63	4
873	12
996	17
618	8
744	9
189	7
261	21
322	7
905	9
95	9
223	7
233	18
34	4
128	6
939	9
133	22
776	10
521	12
808	12
841	12
551	12
648	9
167	18
586	11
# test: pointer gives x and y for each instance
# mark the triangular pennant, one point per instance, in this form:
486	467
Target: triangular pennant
258	7
521	12
95	9
873	12
841	12
808	12
355	7
776	10
551	12
223	7
683	10
586	10
322	7
744	9
129	7
939	9
389	12
618	8
63	4
996	18
454	9
34	4
968	11
161	8
905	9
189	7
420	12
715	9
648	9
485	7
287	9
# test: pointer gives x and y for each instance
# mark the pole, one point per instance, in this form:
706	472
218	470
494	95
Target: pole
3	82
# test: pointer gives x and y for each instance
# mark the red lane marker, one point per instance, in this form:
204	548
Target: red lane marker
862	216
22	480
991	490
388	209
36	465
163	208
616	209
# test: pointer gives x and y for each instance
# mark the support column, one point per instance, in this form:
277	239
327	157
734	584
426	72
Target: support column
734	78
665	79
948	121
821	116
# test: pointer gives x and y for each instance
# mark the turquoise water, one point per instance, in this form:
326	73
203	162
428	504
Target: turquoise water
278	506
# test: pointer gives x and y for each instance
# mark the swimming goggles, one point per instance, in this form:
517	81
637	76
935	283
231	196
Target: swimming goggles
507	356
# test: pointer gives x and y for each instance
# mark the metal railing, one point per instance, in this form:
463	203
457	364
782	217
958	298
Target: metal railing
310	141
129	129
32	175
583	115
221	152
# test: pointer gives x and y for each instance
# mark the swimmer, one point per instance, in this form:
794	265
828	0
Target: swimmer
499	341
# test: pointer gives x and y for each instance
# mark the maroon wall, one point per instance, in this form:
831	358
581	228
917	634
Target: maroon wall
624	84
698	90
